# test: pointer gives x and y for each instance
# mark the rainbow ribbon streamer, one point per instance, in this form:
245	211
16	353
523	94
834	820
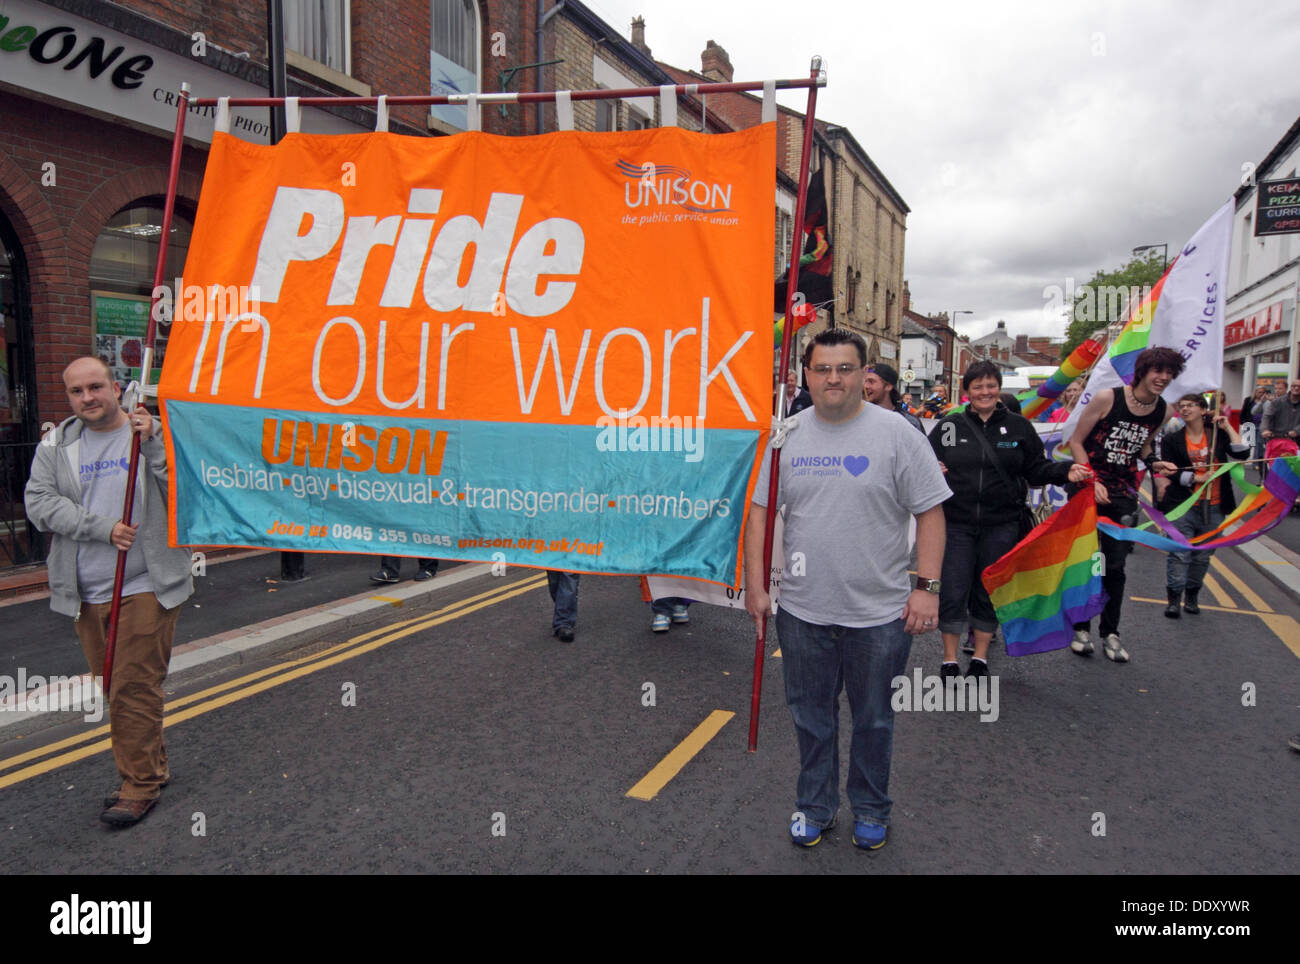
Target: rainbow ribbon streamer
1261	510
1050	580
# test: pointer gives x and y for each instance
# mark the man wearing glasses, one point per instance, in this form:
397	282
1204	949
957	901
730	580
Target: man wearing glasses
849	470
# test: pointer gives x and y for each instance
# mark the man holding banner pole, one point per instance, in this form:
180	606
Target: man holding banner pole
76	491
845	620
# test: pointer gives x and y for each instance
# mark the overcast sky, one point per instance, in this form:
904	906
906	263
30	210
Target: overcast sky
1033	141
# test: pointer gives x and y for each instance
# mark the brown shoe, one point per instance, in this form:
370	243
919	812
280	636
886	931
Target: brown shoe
127	813
113	796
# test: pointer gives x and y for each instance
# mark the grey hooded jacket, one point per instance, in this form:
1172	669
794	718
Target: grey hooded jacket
53	499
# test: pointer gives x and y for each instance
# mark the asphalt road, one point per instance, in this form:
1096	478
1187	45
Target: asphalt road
479	743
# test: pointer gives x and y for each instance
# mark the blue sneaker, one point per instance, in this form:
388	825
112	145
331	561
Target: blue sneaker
660	623
805	834
681	614
869	835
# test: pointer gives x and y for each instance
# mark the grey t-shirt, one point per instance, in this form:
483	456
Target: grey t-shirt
847	490
103	461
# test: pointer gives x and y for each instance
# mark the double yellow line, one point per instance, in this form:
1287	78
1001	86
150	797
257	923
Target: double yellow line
94	741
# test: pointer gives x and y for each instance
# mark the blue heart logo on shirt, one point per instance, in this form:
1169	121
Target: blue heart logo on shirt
856	464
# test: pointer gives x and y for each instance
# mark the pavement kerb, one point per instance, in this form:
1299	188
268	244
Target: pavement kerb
1276	562
270	637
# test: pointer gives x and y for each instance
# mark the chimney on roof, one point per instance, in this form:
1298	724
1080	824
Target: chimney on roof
715	64
1022	344
907	297
638	35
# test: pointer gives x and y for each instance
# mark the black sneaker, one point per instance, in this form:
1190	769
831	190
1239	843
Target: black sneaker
423	575
1190	605
949	670
977	667
385	576
565	634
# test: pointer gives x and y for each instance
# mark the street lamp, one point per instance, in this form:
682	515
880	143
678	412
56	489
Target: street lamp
1164	253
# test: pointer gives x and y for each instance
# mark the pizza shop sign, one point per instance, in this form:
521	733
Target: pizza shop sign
1266	321
61	45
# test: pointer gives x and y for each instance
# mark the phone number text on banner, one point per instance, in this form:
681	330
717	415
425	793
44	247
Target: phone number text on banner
540	350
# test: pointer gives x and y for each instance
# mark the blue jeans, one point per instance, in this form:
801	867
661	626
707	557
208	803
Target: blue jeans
664	606
564	593
1186	570
820	662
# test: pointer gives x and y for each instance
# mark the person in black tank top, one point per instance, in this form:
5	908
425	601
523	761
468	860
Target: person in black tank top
1115	430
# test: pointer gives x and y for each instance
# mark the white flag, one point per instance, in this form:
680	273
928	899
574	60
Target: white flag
1188	317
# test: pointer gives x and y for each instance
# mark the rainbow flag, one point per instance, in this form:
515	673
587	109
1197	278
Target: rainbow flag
1043	397
1050	580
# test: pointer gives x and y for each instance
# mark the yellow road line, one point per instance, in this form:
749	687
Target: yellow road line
1284	628
1220	594
667	768
302	667
391	600
1206	606
175	704
1252	599
1271	562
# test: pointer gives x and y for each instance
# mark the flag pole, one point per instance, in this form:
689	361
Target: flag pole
146	365
791	287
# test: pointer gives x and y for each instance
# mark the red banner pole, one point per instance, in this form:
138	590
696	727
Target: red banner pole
146	364
792	286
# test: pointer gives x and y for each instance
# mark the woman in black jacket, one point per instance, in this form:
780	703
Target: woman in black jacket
1190	449
983	515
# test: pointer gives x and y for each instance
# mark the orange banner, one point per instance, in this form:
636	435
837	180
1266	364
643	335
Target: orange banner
486	320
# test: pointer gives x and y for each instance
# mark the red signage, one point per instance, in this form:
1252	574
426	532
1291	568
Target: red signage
1266	321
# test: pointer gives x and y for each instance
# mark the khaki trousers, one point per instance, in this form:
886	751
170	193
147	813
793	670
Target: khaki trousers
135	707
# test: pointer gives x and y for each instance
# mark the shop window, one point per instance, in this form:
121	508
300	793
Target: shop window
320	30
121	285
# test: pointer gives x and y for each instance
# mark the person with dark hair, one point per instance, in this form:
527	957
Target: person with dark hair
1190	450
989	456
879	387
1010	401
1280	424
846	618
1114	431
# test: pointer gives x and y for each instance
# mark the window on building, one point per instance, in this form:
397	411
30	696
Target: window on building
455	52
122	267
455	34
606	115
851	295
636	121
321	30
784	230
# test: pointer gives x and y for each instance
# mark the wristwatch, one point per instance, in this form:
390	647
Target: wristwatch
929	585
